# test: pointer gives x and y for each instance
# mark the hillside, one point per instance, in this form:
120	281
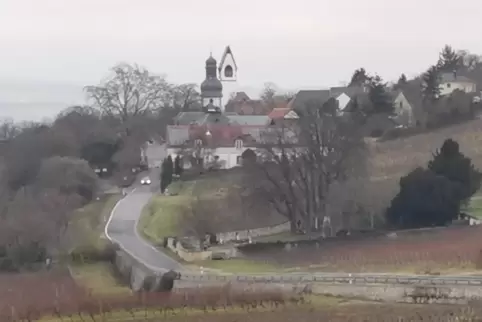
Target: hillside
395	158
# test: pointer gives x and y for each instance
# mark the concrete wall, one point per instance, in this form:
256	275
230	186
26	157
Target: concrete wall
185	254
421	294
401	293
137	276
192	256
257	232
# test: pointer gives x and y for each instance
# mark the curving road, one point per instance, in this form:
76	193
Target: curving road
121	227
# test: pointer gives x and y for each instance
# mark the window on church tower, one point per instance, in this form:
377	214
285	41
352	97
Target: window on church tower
228	71
238	144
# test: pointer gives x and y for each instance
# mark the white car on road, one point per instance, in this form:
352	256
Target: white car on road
146	181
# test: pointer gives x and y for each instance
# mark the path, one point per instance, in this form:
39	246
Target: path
121	227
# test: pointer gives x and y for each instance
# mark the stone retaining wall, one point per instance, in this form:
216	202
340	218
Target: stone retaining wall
192	256
253	233
186	255
422	294
416	294
139	277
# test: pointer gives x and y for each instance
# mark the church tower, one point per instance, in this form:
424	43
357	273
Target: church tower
228	73
212	88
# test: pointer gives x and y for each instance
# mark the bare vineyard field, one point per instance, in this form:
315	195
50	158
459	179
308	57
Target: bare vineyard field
350	313
410	252
397	157
55	297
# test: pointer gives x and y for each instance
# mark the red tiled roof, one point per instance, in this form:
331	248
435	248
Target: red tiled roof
278	113
248	107
220	135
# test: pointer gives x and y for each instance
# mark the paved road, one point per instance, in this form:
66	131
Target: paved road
121	227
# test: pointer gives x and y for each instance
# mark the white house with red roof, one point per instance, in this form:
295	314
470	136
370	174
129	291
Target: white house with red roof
212	134
226	144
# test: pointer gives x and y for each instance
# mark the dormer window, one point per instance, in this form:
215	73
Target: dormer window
238	144
198	142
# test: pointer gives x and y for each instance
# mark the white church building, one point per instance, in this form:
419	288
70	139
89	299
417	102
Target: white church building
213	135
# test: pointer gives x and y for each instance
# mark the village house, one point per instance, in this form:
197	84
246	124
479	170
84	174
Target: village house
282	115
241	104
450	82
404	111
345	95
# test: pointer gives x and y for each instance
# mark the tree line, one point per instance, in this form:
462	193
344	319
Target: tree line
48	170
424	90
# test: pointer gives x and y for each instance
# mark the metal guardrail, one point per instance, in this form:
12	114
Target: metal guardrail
336	279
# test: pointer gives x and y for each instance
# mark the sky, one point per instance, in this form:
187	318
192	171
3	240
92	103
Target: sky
49	49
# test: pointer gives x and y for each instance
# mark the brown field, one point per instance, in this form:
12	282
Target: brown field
55	297
397	157
418	251
343	313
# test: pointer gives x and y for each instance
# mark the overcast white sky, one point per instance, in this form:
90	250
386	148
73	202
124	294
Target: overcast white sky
303	43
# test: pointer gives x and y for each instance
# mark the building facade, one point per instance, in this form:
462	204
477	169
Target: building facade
212	136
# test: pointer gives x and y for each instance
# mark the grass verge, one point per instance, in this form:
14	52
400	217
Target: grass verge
242	307
475	207
89	223
98	278
160	218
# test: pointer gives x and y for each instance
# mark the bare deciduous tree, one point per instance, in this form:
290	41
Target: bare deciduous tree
268	93
186	97
40	218
24	154
40	214
67	175
129	155
200	217
9	129
302	161
129	92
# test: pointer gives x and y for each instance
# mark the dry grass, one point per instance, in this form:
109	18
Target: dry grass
353	313
89	221
98	279
453	249
396	158
163	216
54	296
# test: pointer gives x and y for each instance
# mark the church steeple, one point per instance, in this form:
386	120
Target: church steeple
211	67
211	88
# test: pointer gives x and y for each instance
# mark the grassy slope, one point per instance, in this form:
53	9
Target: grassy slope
89	223
159	218
475	207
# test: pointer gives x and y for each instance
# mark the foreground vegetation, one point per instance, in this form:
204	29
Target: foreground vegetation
417	251
55	297
207	203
